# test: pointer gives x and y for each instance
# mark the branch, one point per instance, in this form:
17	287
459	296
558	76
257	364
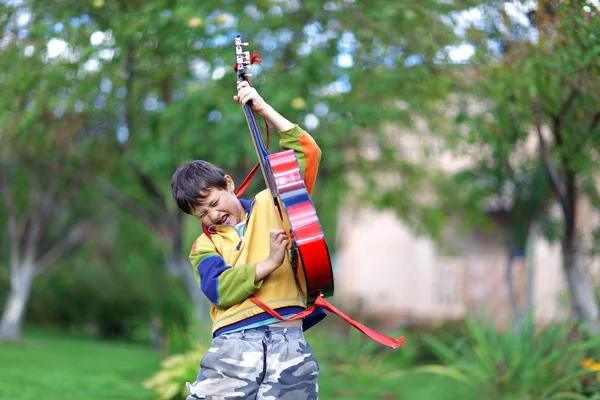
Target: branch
566	105
572	198
75	183
102	22
595	121
35	220
12	223
150	188
75	236
145	181
129	98
548	167
112	192
44	211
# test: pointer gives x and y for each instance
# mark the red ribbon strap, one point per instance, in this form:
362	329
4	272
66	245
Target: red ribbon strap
240	191
321	302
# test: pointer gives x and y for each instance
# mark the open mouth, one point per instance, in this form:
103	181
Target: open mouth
224	219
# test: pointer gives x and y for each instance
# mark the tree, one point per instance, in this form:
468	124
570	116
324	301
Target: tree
533	75
165	74
42	164
542	84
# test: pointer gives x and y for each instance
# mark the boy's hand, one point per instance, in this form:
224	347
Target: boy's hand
278	246
247	93
279	242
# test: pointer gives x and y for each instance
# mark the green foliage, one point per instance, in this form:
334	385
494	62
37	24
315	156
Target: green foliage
534	362
172	80
507	95
121	93
358	358
176	370
528	105
118	296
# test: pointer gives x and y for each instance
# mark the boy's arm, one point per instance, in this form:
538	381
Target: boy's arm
292	136
307	152
295	138
222	284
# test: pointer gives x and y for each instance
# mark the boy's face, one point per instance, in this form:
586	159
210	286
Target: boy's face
220	207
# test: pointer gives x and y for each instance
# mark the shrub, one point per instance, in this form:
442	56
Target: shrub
530	363
176	370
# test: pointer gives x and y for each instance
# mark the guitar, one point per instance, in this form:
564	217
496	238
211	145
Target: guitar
307	251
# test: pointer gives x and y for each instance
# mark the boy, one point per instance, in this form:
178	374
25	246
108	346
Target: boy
252	355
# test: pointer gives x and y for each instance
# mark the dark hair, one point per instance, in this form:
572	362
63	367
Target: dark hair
192	182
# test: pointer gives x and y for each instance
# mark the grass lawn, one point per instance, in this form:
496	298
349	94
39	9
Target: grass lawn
408	387
52	367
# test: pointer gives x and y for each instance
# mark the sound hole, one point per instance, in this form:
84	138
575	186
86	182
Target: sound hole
278	206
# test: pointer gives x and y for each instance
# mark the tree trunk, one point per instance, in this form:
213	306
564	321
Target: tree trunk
532	235
179	264
581	286
512	290
16	304
183	267
200	302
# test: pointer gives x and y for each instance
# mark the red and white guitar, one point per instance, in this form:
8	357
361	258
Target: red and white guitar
308	251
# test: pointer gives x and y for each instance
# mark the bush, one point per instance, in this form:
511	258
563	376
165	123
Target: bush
540	363
176	370
113	296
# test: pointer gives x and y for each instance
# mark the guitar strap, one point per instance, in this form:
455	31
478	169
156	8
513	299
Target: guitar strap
321	302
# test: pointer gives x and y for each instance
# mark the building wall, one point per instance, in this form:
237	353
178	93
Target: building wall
384	270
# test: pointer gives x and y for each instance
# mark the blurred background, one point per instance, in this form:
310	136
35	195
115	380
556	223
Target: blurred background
458	189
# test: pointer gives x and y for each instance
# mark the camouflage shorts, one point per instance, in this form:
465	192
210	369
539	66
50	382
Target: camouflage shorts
262	363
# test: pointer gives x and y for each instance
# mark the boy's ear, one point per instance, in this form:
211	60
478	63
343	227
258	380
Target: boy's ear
230	183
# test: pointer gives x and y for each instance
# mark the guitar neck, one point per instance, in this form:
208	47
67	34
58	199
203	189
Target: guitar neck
243	61
259	146
255	133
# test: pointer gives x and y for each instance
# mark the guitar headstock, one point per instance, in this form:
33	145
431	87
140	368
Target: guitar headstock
243	59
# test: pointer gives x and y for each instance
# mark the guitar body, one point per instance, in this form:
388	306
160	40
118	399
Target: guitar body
308	253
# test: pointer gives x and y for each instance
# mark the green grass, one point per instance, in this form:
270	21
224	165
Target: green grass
407	387
52	367
358	368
